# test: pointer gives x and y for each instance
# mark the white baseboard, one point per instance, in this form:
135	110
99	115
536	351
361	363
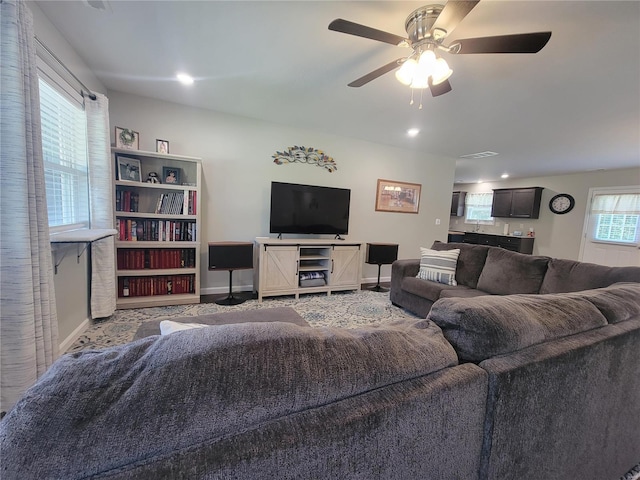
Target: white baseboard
249	288
67	342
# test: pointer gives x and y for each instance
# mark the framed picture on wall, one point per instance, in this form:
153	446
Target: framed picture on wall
127	138
162	146
128	169
400	197
171	175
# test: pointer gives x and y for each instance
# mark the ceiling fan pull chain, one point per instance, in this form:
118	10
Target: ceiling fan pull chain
411	102
421	91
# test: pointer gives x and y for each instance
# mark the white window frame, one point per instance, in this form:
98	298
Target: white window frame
62	87
592	234
475	201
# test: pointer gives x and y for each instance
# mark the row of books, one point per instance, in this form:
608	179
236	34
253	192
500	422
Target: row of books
132	230
159	285
126	201
176	203
154	258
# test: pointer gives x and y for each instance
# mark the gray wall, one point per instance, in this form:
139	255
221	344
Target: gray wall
555	235
238	170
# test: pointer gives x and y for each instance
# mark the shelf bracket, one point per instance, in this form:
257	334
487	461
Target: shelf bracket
82	238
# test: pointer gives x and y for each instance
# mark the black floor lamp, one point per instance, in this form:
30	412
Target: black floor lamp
230	256
381	254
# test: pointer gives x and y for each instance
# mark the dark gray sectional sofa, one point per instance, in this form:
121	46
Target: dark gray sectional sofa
483	270
521	386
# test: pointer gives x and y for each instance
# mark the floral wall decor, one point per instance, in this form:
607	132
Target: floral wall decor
305	155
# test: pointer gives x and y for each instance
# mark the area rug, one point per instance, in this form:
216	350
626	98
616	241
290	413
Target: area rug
343	309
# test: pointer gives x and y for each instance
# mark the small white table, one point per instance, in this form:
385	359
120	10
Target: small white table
84	236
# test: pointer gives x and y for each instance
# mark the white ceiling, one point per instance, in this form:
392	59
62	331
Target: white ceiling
575	106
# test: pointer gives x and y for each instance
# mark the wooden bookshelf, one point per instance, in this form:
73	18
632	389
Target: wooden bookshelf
158	225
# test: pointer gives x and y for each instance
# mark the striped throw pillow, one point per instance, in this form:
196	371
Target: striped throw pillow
438	266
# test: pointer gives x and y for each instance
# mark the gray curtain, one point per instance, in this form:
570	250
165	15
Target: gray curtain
28	321
103	274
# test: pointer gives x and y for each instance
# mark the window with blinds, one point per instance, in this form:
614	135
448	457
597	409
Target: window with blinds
477	207
617	218
64	146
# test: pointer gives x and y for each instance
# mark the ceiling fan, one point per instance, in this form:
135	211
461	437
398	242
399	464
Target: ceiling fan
427	29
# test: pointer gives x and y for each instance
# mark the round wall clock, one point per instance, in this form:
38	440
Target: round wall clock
562	203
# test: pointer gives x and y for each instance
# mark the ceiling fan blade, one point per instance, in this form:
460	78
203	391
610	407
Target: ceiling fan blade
345	26
440	89
516	43
376	73
452	14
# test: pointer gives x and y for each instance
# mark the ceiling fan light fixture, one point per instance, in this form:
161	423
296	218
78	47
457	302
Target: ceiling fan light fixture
441	71
420	82
406	72
427	60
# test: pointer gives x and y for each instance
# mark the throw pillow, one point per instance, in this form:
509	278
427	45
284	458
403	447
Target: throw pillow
439	266
167	326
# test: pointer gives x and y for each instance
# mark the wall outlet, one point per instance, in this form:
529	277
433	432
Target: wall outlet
437	221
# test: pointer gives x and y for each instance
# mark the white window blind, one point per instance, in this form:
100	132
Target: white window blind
64	146
617	217
477	207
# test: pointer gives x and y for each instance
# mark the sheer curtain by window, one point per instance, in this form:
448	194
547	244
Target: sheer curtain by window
28	321
103	275
478	208
625	203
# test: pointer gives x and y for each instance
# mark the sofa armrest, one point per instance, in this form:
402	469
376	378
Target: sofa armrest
401	269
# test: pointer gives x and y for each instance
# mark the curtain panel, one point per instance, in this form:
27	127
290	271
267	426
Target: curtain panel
103	274
28	321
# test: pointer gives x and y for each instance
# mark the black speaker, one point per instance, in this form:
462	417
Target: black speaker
230	255
382	253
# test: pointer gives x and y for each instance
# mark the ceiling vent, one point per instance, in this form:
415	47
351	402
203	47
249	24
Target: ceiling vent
480	155
98	4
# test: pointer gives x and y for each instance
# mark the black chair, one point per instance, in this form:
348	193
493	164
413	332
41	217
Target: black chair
381	254
230	256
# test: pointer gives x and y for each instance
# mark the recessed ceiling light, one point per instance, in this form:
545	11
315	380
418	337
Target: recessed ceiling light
412	132
480	181
504	175
185	79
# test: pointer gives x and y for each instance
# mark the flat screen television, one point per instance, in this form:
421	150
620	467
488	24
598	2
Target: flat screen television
309	209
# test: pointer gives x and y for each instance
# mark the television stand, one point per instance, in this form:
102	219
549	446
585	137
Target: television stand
338	237
281	262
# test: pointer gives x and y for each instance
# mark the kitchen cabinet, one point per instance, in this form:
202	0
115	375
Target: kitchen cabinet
516	202
457	204
515	244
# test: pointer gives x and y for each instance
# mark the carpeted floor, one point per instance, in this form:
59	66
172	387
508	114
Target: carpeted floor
344	309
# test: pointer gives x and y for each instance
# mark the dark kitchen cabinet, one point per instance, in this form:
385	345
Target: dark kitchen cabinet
516	202
515	244
457	204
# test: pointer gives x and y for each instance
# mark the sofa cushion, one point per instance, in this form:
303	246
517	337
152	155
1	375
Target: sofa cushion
462	292
470	261
275	314
506	272
166	395
572	276
438	266
482	327
425	288
618	303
